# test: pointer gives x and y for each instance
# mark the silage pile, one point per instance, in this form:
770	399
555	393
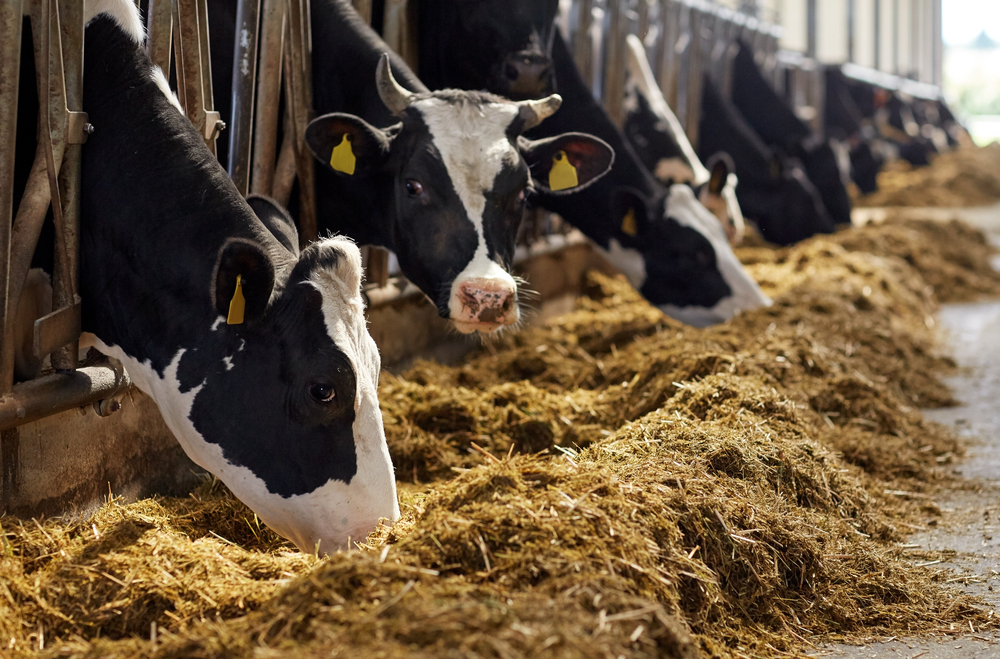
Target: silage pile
609	483
967	176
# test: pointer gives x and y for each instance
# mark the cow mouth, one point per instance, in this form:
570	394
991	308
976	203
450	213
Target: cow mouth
469	327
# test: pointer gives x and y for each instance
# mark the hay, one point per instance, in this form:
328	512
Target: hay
967	176
670	492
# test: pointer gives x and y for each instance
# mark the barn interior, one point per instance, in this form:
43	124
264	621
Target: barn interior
808	478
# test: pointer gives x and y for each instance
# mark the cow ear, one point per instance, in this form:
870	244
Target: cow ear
566	163
347	144
719	167
277	220
630	209
244	280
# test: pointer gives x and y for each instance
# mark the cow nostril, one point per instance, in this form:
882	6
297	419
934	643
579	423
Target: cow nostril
506	305
512	72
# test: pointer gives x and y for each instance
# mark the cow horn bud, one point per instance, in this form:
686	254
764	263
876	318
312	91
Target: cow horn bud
395	97
535	112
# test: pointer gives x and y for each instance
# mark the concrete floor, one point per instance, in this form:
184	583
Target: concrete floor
965	541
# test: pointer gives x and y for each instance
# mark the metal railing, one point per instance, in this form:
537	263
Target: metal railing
53	186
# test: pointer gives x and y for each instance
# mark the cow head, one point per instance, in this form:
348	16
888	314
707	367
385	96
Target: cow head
675	252
784	203
460	175
505	45
820	162
718	195
865	165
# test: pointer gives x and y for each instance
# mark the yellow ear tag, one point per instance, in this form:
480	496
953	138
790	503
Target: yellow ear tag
237	304
563	174
342	159
628	223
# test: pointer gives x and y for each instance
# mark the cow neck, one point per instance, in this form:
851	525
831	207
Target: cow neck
345	55
721	128
589	210
764	110
156	209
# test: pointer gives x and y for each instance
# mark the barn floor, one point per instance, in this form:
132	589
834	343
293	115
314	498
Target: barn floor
964	543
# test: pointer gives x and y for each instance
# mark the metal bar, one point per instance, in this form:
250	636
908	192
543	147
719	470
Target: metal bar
614	72
298	81
244	78
583	47
811	28
364	9
51	394
693	92
284	170
265	135
399	32
159	26
66	271
189	68
10	69
213	122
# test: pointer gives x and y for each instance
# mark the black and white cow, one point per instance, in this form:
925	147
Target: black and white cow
670	247
505	46
776	123
844	122
774	191
439	178
281	404
657	137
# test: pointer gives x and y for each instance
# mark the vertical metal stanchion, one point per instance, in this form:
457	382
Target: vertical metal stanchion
583	47
265	135
61	328
159	29
614	72
298	92
244	81
692	99
364	9
213	121
666	76
194	71
10	68
399	30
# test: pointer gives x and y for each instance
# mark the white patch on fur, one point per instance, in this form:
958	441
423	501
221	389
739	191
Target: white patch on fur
473	144
745	293
628	261
161	82
124	13
641	75
335	512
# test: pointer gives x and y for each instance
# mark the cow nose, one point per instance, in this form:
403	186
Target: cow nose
486	304
529	74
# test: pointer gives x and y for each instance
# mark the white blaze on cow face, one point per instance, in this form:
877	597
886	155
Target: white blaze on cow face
474	146
745	293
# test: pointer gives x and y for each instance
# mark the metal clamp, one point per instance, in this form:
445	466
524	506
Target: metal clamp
78	127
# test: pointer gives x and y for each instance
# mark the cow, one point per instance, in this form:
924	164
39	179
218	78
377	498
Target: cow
658	139
668	245
774	190
844	122
442	179
776	123
505	47
256	353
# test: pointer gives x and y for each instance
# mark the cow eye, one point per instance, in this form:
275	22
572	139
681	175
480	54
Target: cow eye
414	188
322	392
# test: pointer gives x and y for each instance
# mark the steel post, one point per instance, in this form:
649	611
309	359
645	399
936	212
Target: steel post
10	68
692	97
265	135
298	92
244	80
51	394
583	46
614	72
159	28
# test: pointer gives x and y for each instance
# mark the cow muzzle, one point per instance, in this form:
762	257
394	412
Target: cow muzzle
527	75
484	304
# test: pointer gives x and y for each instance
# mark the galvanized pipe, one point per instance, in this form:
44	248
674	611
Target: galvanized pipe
614	78
244	79
213	122
64	281
284	170
10	68
298	85
187	50
159	28
265	134
583	47
51	394
692	97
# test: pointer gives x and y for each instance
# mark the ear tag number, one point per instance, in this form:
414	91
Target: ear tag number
629	226
342	159
237	304
562	176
